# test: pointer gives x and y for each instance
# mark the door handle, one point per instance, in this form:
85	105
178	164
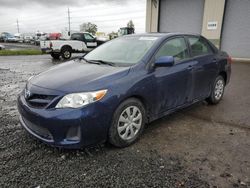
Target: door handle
190	67
214	61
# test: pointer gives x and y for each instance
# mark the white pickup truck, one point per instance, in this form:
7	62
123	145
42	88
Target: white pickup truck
78	43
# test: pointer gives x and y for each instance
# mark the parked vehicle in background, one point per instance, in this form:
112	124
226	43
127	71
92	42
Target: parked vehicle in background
28	37
44	37
114	90
4	36
66	34
54	36
12	38
79	43
39	36
19	37
2	47
126	31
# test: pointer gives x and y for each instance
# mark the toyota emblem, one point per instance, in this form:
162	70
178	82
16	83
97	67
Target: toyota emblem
27	94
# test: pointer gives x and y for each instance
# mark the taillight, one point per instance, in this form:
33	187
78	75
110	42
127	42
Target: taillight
229	60
50	45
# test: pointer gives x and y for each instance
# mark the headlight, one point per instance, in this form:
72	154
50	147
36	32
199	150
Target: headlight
77	100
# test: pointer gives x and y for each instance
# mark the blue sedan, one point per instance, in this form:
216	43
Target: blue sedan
113	91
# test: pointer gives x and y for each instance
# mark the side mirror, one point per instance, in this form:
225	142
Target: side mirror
164	61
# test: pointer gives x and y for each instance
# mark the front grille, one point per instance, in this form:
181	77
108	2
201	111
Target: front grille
40	131
39	101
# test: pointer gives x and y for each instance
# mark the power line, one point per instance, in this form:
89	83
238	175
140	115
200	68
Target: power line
110	14
52	14
56	19
103	9
77	20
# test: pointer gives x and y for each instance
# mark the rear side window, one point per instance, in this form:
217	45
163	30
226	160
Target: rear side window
174	47
76	36
199	46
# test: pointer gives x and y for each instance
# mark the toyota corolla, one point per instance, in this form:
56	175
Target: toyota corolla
113	91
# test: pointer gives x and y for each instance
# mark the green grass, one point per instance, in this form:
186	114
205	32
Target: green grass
20	52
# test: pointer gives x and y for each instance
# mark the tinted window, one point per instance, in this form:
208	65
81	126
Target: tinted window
76	37
175	47
198	46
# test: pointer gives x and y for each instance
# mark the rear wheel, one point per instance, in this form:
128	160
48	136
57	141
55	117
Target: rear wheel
217	91
66	52
128	123
55	56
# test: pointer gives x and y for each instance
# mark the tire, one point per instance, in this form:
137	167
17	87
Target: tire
66	52
126	125
217	91
55	56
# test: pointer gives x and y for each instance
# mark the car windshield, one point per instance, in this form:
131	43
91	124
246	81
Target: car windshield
124	50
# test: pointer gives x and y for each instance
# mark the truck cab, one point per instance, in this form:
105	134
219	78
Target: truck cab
126	31
87	38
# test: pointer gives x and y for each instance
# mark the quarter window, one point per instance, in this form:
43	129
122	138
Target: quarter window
198	46
174	47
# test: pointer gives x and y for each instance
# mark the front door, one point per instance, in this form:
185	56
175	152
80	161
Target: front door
89	40
174	84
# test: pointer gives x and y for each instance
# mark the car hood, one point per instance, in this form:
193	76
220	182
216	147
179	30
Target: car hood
79	76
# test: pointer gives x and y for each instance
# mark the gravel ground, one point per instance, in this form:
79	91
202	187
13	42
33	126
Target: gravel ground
201	146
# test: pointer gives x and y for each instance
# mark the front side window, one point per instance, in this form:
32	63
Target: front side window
88	36
174	47
198	46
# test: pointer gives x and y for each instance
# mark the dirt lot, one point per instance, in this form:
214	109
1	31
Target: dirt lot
201	146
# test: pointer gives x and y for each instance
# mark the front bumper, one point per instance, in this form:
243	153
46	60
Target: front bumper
67	128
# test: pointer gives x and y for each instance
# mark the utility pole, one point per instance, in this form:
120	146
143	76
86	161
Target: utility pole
17	24
69	21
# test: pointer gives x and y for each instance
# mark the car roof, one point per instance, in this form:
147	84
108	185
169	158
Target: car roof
163	35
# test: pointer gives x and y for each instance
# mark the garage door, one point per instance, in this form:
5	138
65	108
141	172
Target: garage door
181	15
236	28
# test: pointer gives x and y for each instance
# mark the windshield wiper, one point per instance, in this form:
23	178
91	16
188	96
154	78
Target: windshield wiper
89	61
102	62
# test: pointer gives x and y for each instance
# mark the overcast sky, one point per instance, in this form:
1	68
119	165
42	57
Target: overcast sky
51	15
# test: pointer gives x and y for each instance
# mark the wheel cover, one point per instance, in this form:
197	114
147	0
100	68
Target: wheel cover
67	54
129	123
218	90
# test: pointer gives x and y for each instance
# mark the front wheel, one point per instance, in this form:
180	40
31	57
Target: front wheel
217	90
128	123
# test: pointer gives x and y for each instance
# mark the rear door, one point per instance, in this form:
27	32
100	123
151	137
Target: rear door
173	84
205	68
